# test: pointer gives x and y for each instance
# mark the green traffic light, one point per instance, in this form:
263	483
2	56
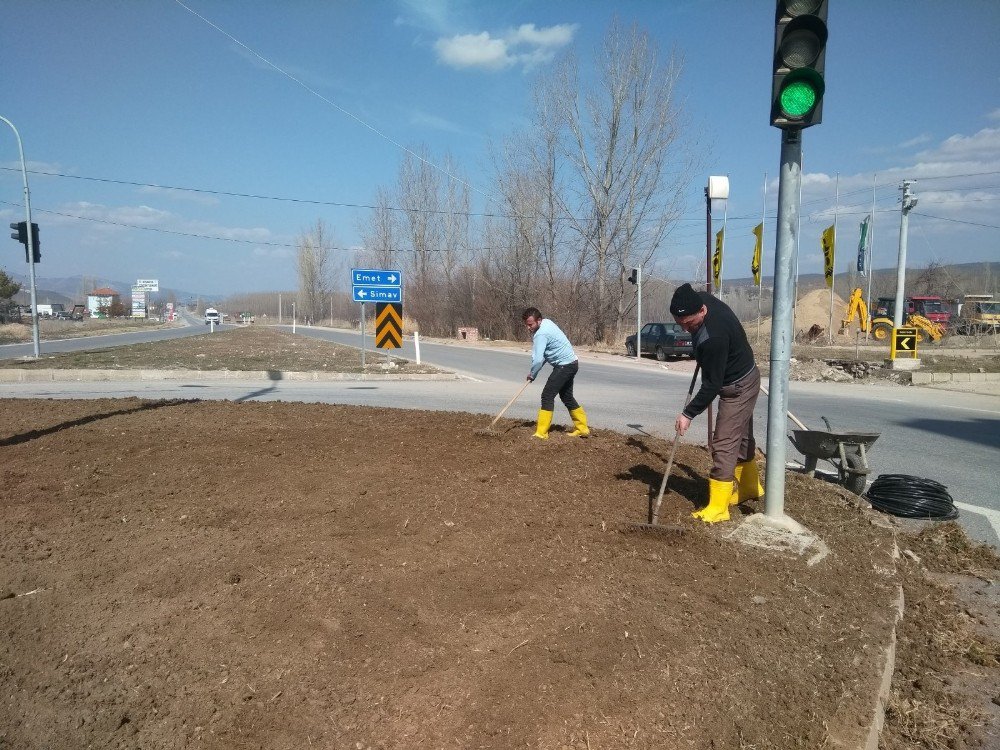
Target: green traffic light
798	99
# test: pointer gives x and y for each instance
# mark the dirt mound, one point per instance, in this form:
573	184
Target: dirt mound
812	313
297	575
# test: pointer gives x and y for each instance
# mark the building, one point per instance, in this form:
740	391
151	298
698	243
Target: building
99	302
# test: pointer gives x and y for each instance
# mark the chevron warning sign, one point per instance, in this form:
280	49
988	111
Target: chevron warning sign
388	325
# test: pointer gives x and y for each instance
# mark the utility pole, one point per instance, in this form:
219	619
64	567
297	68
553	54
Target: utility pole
908	203
29	243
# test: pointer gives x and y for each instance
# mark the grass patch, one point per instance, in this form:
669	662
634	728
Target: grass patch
236	349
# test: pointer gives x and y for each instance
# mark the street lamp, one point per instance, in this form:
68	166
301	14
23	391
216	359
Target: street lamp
718	189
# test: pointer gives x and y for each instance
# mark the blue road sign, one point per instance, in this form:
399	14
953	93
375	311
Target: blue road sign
377	293
375	277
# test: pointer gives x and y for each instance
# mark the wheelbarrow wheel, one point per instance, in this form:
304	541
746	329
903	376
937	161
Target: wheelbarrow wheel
855	483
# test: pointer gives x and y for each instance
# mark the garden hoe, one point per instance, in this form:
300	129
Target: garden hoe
653	521
489	430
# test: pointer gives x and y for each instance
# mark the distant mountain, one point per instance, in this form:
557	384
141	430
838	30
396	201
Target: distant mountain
73	289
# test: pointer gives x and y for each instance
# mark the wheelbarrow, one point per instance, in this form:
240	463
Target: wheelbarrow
847	451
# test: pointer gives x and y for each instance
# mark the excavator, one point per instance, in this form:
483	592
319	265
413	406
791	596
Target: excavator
882	326
856	308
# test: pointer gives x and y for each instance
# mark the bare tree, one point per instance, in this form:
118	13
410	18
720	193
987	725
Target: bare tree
314	263
628	164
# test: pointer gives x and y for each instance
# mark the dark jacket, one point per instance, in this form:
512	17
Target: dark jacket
721	350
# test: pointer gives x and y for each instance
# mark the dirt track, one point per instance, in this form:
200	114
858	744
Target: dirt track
289	576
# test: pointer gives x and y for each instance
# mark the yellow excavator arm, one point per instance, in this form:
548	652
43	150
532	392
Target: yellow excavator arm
856	307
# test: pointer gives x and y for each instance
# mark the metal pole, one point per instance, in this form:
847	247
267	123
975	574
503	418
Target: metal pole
362	337
760	273
638	315
871	250
708	242
293	317
789	184
708	287
833	278
904	220
31	240
279	308
722	250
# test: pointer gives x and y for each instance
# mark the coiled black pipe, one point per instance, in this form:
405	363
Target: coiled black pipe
907	496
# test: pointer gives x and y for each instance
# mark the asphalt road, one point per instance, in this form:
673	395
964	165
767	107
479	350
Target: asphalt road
951	437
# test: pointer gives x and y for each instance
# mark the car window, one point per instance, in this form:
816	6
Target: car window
675	328
658	330
647	329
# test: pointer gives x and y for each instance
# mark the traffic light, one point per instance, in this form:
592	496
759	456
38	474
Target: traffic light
633	277
799	62
20	234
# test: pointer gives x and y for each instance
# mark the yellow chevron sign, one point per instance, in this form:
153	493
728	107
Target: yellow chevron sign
388	325
904	340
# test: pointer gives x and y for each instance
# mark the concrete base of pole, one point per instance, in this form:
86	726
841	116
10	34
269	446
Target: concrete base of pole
782	534
906	364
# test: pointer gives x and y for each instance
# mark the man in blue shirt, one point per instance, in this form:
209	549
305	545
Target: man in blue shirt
549	344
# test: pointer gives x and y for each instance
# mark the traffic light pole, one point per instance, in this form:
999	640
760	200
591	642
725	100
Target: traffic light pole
31	239
781	327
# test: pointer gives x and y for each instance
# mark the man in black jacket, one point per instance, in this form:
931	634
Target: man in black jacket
728	371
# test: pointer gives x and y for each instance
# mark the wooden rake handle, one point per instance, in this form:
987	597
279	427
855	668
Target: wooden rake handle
510	403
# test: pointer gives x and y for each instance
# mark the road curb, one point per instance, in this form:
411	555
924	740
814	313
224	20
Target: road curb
17	375
927	378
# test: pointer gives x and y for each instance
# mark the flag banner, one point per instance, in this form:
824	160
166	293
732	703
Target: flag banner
717	260
828	253
863	245
758	232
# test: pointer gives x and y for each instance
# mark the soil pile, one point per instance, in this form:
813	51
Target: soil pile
268	575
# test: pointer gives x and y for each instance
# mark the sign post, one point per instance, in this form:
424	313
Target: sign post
904	340
384	287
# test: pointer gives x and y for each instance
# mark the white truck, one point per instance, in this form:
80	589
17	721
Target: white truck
212	316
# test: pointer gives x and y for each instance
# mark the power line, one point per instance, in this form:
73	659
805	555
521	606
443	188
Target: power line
328	101
232	194
957	221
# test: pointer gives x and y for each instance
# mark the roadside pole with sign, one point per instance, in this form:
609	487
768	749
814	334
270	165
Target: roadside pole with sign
904	341
380	286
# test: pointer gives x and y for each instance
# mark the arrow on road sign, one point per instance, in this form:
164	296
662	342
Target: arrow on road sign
388	325
378	294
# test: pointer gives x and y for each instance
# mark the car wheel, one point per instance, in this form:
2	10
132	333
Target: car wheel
660	354
630	349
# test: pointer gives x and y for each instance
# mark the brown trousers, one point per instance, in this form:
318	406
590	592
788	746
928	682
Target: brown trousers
732	441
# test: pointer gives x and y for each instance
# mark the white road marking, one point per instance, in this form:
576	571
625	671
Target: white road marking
992	516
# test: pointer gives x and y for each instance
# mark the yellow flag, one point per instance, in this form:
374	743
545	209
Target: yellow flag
758	232
828	250
717	260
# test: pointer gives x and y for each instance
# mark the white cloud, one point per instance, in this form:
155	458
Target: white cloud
527	46
994	115
474	51
433	122
918	141
180	195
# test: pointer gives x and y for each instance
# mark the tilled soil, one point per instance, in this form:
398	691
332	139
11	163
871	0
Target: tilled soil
272	575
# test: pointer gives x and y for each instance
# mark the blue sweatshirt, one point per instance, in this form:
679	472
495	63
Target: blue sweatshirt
550	345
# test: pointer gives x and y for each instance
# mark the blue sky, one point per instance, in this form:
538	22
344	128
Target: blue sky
158	93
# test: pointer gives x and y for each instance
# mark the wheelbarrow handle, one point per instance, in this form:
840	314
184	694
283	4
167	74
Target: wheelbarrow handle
790	415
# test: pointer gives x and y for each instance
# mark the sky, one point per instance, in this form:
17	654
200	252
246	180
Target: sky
305	108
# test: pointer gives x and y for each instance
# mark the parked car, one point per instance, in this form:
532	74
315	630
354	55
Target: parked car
662	340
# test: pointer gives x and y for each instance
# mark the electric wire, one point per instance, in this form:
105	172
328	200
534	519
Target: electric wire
907	496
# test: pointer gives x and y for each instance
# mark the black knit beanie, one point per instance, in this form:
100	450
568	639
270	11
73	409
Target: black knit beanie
686	301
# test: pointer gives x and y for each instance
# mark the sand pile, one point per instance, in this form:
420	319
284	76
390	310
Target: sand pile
813	309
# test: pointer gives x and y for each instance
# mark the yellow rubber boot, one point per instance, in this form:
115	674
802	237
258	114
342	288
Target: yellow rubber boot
748	480
579	417
544	422
719	492
735	498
